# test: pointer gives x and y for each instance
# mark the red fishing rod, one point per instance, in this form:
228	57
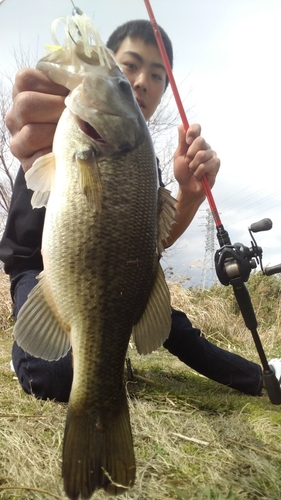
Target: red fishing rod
182	113
234	263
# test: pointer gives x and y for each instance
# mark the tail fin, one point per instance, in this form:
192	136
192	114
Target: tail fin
96	457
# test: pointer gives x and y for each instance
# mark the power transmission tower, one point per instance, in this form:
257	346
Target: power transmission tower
209	276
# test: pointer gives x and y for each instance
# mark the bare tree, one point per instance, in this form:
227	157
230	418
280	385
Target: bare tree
163	129
8	163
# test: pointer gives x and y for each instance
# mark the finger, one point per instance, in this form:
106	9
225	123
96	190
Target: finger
34	107
29	79
27	163
192	133
182	146
210	166
196	151
31	139
211	172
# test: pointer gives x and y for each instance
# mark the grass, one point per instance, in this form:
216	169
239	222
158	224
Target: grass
194	439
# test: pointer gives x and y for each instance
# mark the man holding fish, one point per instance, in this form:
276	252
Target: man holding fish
89	159
38	105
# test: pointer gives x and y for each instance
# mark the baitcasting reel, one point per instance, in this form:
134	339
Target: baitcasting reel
237	261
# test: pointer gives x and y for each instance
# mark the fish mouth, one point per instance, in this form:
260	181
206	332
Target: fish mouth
90	131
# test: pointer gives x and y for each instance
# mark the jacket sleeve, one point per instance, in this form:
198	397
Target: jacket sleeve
20	247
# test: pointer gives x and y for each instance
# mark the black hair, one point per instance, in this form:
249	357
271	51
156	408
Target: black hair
140	28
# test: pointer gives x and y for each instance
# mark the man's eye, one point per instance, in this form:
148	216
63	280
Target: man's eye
129	65
157	77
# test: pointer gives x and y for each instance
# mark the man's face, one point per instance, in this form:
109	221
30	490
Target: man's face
143	66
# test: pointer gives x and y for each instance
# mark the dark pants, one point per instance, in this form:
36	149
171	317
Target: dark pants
53	379
44	379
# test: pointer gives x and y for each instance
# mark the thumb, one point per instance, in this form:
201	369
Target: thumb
182	144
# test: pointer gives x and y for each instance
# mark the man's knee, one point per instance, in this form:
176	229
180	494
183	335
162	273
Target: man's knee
43	379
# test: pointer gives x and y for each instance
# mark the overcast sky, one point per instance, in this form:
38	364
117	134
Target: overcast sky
227	66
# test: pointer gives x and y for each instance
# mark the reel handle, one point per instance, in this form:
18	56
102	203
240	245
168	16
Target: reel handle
261	225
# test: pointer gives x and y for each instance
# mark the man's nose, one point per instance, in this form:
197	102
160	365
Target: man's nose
141	81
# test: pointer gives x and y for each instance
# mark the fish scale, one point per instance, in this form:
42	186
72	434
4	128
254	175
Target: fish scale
106	220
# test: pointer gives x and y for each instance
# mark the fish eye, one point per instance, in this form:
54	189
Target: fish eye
124	84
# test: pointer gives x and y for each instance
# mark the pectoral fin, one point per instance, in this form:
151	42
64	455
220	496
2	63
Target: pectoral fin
38	329
89	179
155	324
39	178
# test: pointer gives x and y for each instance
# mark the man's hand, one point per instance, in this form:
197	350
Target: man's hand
194	158
37	106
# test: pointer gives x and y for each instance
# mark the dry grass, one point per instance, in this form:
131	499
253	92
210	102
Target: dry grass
221	323
194	439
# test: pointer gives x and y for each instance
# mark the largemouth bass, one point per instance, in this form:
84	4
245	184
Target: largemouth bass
106	220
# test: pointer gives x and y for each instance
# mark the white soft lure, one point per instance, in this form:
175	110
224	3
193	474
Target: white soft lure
80	27
67	63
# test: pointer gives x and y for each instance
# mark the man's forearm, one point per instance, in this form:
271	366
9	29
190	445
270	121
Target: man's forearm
186	207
